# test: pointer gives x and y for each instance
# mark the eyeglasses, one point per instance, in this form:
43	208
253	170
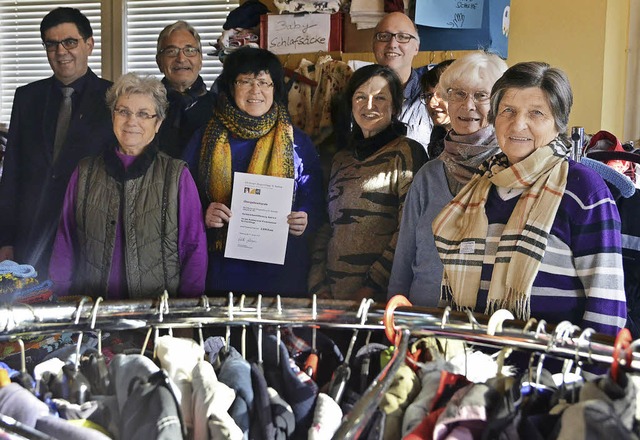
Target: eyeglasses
426	98
126	114
67	43
459	95
401	37
249	83
172	51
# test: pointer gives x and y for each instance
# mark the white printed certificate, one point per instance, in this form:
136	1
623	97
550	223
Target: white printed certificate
258	228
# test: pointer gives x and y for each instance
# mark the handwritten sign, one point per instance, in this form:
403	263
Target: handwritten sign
454	14
292	33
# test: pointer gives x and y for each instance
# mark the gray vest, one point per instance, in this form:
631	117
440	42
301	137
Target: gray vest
149	205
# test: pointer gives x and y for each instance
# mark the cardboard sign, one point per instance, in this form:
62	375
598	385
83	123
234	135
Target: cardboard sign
300	33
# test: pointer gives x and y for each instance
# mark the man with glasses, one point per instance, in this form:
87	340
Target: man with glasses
395	44
54	123
179	58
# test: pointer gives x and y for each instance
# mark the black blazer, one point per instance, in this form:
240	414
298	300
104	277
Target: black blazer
32	187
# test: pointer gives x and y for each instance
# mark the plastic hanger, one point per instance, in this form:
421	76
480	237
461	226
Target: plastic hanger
390	329
497	319
620	347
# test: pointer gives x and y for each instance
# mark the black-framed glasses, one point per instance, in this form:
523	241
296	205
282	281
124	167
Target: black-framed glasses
248	83
126	114
459	95
67	43
173	51
401	37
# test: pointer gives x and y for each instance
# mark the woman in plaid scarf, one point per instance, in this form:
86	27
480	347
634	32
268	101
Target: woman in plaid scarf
535	233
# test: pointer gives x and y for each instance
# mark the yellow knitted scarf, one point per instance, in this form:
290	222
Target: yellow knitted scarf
460	230
273	153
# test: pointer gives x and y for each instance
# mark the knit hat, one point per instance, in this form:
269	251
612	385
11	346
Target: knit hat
245	16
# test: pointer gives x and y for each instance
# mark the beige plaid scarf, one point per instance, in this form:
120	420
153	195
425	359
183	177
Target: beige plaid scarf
460	230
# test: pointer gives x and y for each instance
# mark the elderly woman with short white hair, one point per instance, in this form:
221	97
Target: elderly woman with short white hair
466	86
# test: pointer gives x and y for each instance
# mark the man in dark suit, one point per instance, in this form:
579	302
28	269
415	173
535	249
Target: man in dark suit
179	58
36	171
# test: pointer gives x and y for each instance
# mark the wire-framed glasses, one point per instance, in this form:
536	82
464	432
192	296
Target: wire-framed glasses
173	51
459	95
126	114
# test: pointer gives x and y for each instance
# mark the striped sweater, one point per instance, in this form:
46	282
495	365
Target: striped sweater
365	201
580	278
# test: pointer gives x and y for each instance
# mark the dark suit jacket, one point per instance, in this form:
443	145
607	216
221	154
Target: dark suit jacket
32	187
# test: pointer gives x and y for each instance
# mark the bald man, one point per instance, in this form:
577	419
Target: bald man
395	44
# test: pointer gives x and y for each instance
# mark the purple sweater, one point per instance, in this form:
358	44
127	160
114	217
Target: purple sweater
192	244
580	277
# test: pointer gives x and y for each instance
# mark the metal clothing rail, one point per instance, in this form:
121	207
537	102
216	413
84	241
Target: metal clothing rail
564	340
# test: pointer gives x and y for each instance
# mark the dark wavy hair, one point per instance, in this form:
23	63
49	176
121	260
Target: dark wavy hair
552	81
62	15
251	60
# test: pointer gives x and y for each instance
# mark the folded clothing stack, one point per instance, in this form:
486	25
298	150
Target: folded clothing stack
19	284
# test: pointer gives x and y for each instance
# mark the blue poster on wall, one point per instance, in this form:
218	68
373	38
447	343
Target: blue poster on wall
492	35
458	14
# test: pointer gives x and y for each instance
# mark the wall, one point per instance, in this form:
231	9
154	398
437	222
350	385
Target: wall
586	39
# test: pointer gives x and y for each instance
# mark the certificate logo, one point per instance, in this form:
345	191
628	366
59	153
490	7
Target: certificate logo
250	190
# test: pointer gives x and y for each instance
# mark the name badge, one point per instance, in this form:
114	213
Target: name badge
467	247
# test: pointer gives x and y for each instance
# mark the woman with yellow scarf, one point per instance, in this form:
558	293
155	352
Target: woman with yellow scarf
251	132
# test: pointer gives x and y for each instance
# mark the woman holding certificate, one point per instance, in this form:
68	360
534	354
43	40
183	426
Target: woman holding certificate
367	187
251	132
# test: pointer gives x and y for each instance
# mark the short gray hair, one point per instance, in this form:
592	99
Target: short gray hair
473	67
134	84
179	25
552	81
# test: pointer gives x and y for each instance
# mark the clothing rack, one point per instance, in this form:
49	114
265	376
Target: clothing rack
563	341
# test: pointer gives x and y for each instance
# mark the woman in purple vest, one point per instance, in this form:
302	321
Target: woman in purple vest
131	224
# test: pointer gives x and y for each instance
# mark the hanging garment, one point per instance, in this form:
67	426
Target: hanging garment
291	383
404	388
211	400
309	106
234	372
152	410
262	427
178	357
326	418
20	404
606	410
283	418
